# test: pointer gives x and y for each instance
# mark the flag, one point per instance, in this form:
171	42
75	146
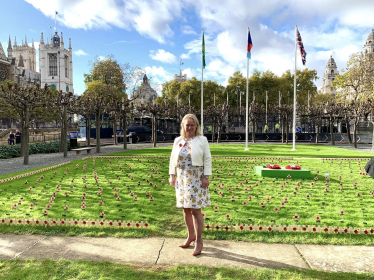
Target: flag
203	50
249	45
181	62
299	41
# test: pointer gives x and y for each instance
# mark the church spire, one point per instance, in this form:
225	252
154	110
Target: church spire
33	43
15	41
25	40
42	39
69	43
9	44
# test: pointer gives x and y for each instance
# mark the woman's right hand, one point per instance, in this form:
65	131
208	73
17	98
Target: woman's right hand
172	180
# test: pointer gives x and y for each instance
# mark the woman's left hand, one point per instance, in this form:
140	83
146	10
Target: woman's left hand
205	183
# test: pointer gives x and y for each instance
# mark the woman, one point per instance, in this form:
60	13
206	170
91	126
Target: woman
190	167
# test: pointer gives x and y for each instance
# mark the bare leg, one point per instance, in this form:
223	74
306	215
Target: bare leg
199	225
189	224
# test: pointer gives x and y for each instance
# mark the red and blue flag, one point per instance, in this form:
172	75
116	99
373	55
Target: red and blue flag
299	41
249	45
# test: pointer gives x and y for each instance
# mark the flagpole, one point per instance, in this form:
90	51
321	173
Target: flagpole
246	105
294	99
202	87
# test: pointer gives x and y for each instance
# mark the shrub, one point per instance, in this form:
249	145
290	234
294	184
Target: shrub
9	151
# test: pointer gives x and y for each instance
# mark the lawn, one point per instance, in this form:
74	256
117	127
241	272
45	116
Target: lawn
271	150
66	269
136	189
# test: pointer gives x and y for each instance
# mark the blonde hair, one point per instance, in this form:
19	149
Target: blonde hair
196	121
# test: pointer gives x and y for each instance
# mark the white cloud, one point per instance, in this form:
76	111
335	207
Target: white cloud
80	53
101	57
158	76
163	56
151	19
186	29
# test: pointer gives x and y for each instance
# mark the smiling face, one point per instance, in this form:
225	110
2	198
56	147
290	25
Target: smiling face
189	127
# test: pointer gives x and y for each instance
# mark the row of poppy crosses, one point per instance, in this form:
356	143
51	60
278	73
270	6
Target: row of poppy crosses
75	223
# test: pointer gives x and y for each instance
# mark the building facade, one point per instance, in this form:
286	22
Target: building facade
331	71
144	94
56	63
180	78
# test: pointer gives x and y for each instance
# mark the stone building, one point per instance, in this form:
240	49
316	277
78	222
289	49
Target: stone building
144	94
56	63
20	63
331	71
180	78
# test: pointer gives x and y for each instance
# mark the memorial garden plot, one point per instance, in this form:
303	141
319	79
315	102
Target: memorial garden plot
135	191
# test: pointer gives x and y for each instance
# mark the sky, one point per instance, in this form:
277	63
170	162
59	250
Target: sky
155	34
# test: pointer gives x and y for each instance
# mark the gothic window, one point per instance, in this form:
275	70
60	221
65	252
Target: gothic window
66	67
52	60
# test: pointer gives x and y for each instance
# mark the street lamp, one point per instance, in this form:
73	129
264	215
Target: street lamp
237	100
266	106
240	107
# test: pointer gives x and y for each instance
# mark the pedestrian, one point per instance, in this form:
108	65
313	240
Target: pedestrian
189	169
277	127
266	128
11	138
18	137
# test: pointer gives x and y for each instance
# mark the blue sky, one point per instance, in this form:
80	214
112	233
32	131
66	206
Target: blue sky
153	35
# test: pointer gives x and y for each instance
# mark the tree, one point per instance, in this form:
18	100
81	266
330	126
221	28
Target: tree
216	115
157	111
106	82
254	115
316	112
355	85
24	101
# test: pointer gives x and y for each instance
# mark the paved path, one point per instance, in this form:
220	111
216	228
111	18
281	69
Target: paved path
165	251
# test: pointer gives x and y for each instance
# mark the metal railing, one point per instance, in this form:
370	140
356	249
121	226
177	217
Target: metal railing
37	138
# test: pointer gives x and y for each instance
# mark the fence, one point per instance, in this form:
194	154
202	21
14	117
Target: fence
37	138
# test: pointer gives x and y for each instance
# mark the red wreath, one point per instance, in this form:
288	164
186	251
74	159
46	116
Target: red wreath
273	166
293	167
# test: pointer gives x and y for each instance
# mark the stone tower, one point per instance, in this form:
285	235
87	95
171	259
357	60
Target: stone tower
369	44
28	54
56	63
331	71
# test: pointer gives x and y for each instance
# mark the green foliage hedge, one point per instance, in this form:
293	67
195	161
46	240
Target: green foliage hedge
9	151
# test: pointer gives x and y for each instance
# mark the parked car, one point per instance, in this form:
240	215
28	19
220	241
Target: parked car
138	130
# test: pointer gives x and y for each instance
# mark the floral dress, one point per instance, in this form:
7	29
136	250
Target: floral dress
188	188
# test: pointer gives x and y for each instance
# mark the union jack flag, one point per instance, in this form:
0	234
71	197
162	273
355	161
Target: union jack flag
299	41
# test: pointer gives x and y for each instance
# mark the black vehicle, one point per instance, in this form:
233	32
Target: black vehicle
139	130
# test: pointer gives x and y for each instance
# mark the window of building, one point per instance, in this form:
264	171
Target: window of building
66	67
332	72
52	60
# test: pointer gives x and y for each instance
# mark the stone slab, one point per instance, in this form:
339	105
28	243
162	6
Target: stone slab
282	173
339	258
12	244
233	254
137	251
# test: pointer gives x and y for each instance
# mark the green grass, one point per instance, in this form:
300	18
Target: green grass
166	220
65	269
276	150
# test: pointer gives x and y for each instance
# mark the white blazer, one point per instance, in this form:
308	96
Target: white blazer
200	154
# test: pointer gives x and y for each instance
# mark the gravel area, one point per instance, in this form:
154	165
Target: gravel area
8	166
